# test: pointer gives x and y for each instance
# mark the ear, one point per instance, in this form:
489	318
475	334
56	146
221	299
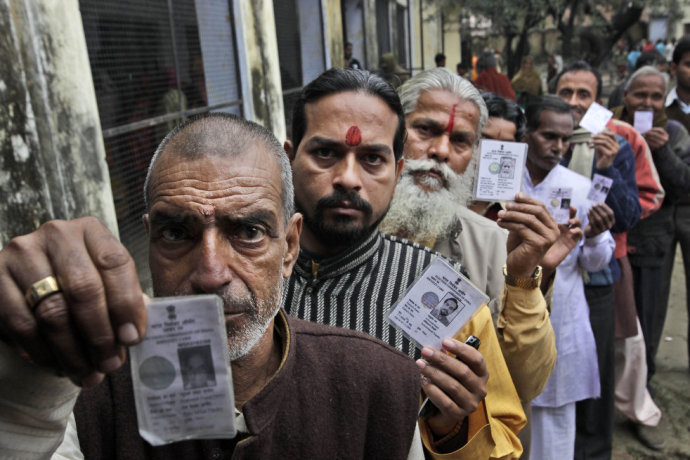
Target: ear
673	69
289	150
399	168
147	224
292	233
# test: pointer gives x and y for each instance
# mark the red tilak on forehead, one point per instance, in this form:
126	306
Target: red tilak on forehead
353	137
451	120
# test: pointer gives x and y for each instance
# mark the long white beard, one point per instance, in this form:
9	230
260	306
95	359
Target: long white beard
426	215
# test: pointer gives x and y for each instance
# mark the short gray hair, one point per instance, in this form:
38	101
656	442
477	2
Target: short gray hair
443	79
648	70
230	136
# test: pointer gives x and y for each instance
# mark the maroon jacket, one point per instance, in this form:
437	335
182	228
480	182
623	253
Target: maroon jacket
338	393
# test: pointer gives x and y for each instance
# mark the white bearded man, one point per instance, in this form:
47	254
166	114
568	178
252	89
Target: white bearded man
445	115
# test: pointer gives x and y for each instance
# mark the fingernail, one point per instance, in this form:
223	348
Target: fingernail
424	380
128	334
421	363
93	379
110	364
448	343
427	352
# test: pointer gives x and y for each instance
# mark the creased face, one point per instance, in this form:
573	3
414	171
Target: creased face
216	226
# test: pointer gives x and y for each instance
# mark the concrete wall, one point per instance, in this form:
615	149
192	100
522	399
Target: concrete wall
372	47
333	33
256	24
52	159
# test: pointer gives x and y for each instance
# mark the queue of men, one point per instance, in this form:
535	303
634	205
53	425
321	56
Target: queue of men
333	227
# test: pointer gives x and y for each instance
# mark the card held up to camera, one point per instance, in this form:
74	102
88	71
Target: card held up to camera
643	121
500	170
596	118
436	305
181	372
601	185
558	204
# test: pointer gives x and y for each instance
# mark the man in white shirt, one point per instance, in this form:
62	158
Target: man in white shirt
575	377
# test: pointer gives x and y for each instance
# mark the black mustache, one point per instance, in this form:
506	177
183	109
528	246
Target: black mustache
337	198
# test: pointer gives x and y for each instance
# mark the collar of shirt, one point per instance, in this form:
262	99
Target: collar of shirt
673	96
345	261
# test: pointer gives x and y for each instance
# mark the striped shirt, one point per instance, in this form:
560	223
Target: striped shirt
356	288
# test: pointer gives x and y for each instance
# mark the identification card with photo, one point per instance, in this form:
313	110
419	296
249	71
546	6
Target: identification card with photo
436	305
558	204
500	170
643	121
181	372
596	118
601	185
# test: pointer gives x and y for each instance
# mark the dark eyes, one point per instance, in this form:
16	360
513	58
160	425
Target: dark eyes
243	233
173	234
324	153
249	233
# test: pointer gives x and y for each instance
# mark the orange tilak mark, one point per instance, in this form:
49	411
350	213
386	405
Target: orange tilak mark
451	121
353	136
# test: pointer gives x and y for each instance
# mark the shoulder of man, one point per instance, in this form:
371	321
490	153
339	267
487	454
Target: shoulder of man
330	338
424	255
355	358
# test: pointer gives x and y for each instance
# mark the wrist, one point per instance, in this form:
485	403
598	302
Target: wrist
526	282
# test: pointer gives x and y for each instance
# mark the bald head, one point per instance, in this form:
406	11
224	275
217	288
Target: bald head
224	136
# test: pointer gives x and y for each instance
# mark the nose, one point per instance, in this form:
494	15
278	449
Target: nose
213	256
439	149
559	146
572	100
348	174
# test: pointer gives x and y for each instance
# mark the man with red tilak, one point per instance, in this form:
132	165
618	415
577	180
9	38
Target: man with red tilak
346	153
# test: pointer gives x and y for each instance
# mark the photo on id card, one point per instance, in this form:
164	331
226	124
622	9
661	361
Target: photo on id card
436	305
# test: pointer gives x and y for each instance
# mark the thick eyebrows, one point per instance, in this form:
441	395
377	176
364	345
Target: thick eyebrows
163	218
430	123
323	142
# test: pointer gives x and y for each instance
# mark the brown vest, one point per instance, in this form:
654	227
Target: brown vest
339	393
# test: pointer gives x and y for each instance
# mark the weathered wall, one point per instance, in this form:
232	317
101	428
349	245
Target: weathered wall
333	33
258	28
52	160
372	46
433	32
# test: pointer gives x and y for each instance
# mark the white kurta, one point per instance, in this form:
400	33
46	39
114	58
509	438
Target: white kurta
576	374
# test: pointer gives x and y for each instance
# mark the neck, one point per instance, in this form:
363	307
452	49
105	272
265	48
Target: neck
311	243
536	174
683	94
253	371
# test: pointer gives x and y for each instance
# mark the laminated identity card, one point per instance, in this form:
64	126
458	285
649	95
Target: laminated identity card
595	118
599	189
436	305
500	170
181	372
643	121
558	204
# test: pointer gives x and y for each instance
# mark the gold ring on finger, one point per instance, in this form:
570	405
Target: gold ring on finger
42	289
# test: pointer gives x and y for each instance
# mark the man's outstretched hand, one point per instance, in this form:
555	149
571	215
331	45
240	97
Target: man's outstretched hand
81	330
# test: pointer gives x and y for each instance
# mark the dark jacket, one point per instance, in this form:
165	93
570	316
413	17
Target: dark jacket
338	393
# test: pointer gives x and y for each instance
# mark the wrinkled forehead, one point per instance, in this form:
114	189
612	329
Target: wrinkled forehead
445	106
648	82
578	79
